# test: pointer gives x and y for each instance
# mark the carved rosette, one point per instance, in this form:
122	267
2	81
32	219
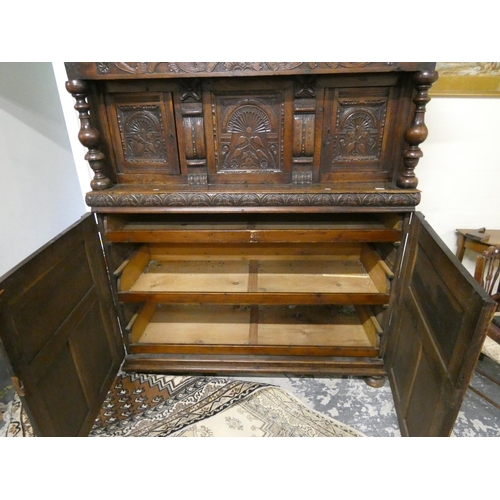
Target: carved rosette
190	199
417	132
88	135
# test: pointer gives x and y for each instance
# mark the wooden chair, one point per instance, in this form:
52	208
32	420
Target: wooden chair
487	273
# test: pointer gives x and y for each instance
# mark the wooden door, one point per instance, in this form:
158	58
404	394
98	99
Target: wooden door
435	335
59	330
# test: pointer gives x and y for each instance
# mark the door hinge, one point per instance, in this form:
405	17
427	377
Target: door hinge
18	386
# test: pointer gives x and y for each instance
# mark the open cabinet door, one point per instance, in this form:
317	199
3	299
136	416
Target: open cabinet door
60	333
436	331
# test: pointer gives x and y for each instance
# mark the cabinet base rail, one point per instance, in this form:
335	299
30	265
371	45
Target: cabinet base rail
255	365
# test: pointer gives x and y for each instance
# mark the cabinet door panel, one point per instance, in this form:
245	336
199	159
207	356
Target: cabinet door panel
436	332
60	333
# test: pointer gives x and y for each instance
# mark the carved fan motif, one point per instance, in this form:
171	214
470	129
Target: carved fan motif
249	119
358	140
249	148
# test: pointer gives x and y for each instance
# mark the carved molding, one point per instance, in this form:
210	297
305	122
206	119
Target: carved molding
302	177
105	70
194	199
198	179
141	68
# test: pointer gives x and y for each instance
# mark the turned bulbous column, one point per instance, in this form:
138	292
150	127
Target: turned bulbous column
417	132
88	135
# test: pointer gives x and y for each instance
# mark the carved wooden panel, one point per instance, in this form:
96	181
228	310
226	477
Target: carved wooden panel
105	70
248	140
143	135
355	129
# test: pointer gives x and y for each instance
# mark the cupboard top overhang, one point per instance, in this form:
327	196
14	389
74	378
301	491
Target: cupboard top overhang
328	135
133	70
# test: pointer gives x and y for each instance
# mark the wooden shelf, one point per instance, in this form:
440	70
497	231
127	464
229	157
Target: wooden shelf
247	274
309	329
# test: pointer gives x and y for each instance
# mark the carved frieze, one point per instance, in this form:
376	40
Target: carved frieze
228	199
141	68
107	70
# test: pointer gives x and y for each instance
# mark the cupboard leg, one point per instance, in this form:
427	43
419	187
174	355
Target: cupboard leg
375	381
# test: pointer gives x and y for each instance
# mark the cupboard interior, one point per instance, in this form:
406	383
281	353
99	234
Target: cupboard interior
313	285
232	328
270	271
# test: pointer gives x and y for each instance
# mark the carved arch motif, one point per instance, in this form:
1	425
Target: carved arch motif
142	134
250	146
360	131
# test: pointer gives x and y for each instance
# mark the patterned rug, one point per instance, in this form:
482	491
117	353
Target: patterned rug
148	405
17	423
491	349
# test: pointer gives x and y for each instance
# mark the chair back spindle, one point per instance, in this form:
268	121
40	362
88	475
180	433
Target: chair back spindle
487	271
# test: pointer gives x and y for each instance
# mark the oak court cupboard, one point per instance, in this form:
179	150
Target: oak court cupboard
246	218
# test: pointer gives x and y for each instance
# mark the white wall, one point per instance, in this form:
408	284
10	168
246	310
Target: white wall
83	170
459	174
39	190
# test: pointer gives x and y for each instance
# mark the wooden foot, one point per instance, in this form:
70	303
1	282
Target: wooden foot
375	381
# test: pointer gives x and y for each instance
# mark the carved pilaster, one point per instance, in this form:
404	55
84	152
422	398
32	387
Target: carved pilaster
304	121
88	135
194	132
417	132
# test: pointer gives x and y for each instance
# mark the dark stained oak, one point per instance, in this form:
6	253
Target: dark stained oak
253	217
59	330
278	124
131	70
431	354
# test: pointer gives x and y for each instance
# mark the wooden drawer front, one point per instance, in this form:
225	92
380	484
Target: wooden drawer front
250	138
143	136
